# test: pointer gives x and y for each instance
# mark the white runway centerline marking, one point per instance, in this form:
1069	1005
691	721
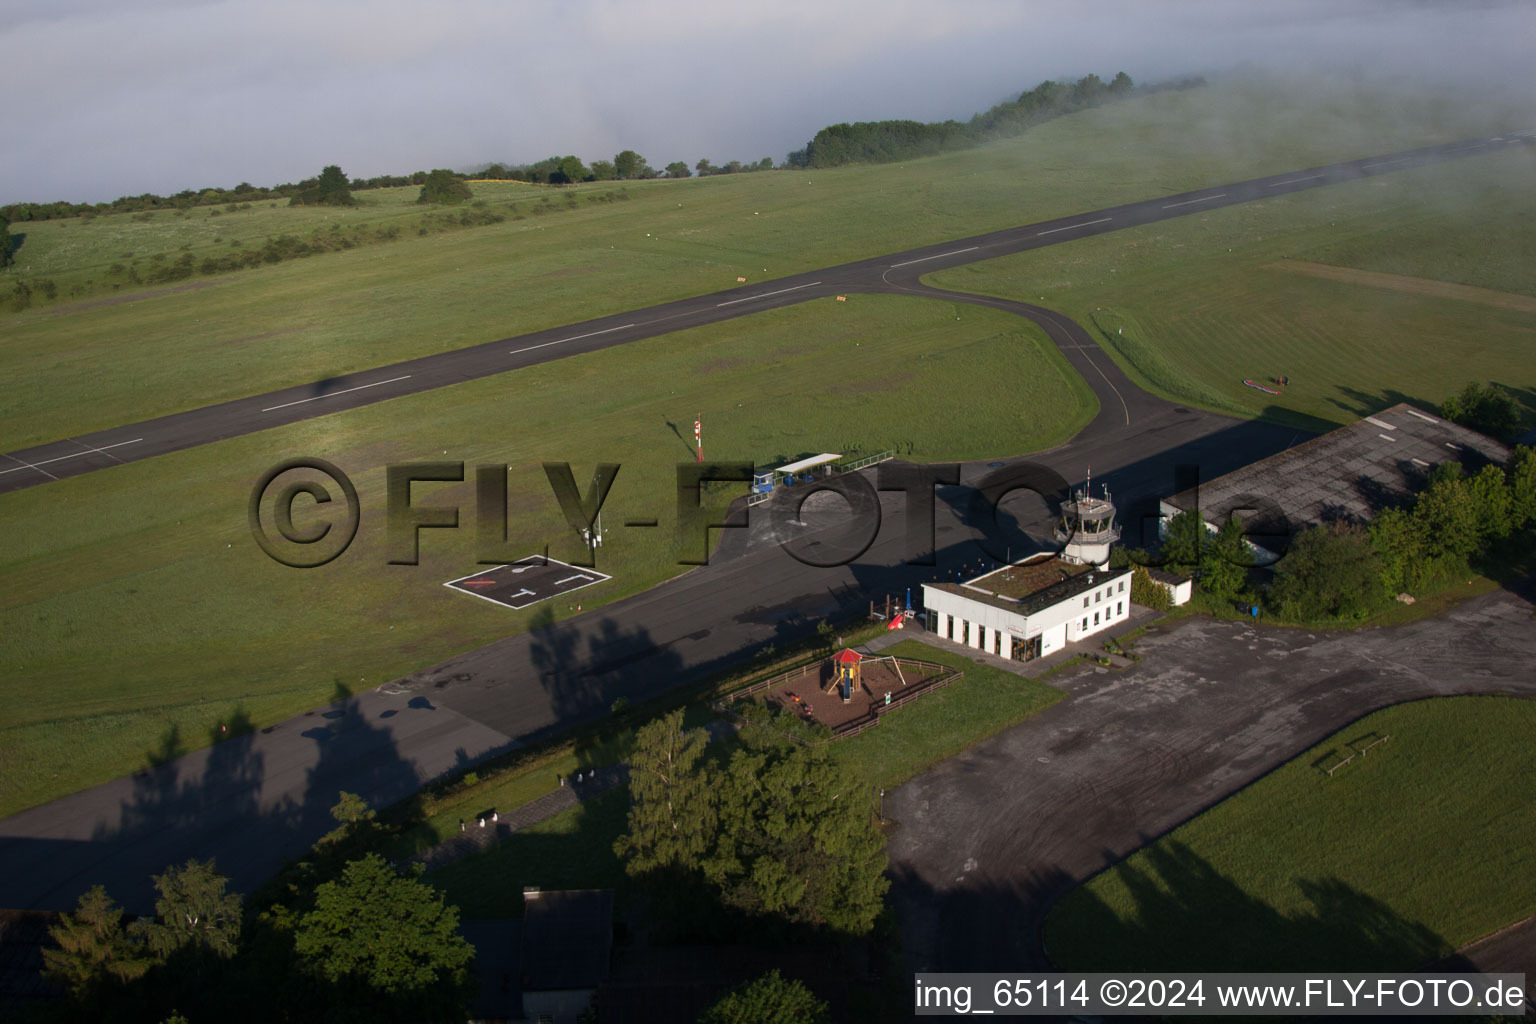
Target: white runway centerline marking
91	448
1202	199
333	394
1069	227
938	256
1292	181
61	458
562	341
765	295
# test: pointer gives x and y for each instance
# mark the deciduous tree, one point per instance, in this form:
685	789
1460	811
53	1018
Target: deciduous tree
797	840
678	169
1183	542
387	934
1446	515
444	187
628	164
1520	474
1330	571
568	171
1400	550
769	999
1224	559
1486	408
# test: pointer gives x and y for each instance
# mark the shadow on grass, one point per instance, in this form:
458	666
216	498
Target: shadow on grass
1360	404
1187	915
572	850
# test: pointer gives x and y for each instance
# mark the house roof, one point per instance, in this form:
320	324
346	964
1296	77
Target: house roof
497	968
567	936
1033	586
1350	473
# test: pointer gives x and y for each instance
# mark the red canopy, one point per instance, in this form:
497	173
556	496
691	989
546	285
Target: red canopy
848	656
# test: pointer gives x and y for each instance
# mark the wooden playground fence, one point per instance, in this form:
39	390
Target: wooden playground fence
944	677
858	725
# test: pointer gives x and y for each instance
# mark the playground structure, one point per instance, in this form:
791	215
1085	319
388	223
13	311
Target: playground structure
808	470
848	691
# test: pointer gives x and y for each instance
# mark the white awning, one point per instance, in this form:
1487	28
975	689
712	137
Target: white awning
804	464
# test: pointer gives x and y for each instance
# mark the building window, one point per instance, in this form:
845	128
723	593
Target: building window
1120	608
1098	595
1122	586
1095	618
1085	600
1085	622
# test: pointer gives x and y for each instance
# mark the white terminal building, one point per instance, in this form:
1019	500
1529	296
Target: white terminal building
1037	607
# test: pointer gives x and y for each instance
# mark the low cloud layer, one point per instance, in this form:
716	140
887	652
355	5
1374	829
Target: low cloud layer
107	99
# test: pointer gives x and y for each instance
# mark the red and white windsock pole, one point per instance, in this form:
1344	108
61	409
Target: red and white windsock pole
698	436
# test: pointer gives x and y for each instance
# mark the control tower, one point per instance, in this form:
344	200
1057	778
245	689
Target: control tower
1087	527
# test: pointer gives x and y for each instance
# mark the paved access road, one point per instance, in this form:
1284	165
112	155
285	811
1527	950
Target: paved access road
894	272
989	840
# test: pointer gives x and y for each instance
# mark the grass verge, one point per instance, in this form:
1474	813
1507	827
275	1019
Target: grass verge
1406	853
941	724
1190	308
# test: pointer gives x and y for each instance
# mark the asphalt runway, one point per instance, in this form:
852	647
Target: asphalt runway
896	272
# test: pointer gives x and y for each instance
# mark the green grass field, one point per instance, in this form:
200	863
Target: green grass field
910	739
75	367
572	850
1191	307
135	599
1410	851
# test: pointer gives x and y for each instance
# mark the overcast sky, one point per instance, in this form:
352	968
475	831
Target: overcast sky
116	97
